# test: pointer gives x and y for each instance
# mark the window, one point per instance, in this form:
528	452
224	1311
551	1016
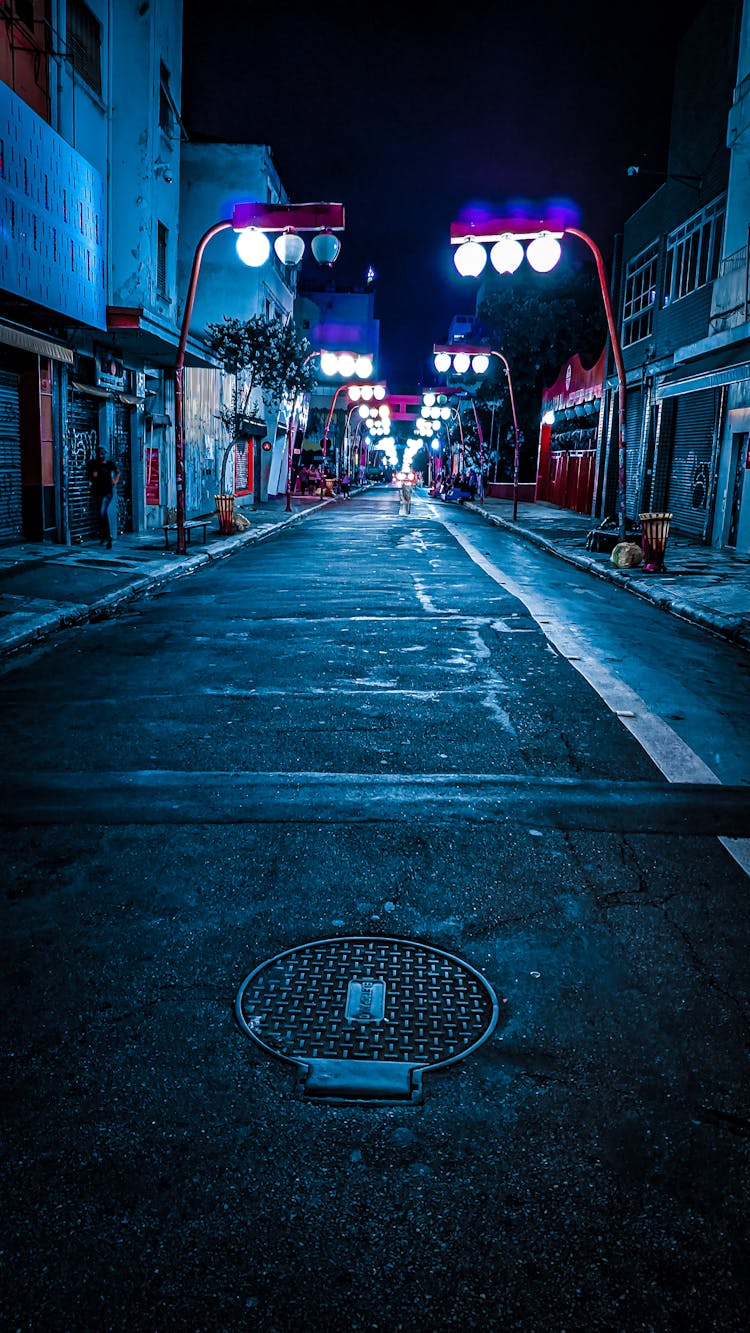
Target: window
84	40
166	116
694	251
162	236
640	296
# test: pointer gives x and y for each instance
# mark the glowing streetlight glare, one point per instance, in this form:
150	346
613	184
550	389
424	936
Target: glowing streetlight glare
253	247
367	392
543	252
506	254
461	362
442	362
480	363
354	392
470	258
363	367
428	399
549	418
363	411
379	391
329	363
346	364
445	413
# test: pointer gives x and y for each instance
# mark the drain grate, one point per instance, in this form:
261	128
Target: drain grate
364	1018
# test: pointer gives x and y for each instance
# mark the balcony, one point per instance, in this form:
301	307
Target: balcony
731	294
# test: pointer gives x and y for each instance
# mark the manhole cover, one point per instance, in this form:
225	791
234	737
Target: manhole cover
364	1018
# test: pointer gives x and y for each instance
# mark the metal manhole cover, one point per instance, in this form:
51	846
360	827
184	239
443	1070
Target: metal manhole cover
364	1018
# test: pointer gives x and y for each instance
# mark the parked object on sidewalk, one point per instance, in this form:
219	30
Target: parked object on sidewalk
606	535
655	529
626	555
225	512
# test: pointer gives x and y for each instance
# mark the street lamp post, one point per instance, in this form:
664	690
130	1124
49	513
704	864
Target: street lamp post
358	393
477	359
252	221
543	251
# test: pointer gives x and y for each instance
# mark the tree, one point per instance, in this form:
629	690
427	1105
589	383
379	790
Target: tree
266	357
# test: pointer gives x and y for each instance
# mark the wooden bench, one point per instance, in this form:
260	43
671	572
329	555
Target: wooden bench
190	525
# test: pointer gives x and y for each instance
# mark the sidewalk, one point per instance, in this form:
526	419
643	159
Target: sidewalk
711	588
44	587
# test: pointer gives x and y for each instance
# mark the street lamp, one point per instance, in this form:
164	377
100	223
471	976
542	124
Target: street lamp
542	251
252	221
357	394
478	358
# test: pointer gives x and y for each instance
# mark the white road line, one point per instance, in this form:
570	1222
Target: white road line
677	761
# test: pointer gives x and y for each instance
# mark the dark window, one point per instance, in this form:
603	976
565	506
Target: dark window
166	117
694	251
23	10
84	38
161	258
640	296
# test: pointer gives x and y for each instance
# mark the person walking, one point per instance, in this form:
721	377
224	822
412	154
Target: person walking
345	484
104	476
406	496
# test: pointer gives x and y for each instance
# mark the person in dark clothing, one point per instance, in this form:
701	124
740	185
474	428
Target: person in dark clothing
104	476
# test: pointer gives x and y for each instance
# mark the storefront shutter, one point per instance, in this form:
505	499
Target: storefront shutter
11	520
633	462
121	456
689	481
80	447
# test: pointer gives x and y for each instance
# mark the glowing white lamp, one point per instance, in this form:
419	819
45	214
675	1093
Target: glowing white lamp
445	413
470	258
354	392
363	367
346	364
325	247
428	399
442	362
363	411
461	362
366	392
549	418
253	247
329	363
289	247
506	254
480	363
543	252
379	391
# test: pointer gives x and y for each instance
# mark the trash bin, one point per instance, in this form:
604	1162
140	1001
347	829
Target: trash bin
225	511
654	533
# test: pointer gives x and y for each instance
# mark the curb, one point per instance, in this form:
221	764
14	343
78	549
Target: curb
725	627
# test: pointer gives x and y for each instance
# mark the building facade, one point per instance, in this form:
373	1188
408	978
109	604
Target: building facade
684	326
88	269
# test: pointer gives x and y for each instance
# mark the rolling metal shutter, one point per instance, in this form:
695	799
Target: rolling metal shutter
633	464
121	456
80	447
689	481
11	511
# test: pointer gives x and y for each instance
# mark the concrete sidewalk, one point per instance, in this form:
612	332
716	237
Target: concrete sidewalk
708	587
44	587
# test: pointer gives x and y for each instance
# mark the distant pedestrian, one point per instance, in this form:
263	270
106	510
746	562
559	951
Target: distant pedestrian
406	497
345	484
104	476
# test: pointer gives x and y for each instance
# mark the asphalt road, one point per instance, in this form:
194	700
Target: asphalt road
359	729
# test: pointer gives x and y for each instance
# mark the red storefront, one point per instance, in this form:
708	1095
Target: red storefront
566	465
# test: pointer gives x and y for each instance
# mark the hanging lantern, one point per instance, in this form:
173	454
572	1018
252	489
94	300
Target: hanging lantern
325	247
289	247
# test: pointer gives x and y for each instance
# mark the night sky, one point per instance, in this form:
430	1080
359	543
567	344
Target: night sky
407	120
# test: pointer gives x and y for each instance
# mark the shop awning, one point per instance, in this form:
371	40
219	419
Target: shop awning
33	342
711	376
